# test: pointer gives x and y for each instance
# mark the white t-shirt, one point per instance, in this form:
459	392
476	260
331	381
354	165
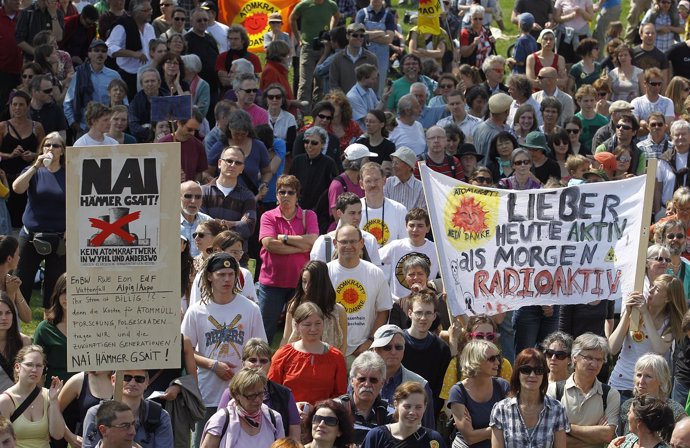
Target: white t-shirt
644	107
667	178
386	223
393	256
247	283
219	31
411	136
86	140
219	332
318	250
362	291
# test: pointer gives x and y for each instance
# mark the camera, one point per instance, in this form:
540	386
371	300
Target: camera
318	42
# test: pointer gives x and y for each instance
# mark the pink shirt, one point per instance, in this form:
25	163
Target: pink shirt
336	189
258	114
282	271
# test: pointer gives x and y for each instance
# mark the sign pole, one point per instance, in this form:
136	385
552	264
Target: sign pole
117	391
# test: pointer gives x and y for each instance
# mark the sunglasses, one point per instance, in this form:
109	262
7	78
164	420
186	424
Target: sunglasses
286	192
491	336
675	236
494	358
357	35
312	142
447	86
559	354
521	162
138	378
371	379
233	162
258	360
483	180
52	145
249	90
275	97
328	421
602	94
398	347
656	125
655	84
325	117
625	159
191	196
660	259
625	127
179	19
572	131
198	235
528	370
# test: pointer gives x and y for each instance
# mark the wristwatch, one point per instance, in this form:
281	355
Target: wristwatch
285	240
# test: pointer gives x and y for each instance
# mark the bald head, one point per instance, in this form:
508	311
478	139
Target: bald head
681	434
548	76
190	195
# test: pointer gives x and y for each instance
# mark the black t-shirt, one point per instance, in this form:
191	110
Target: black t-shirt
384	149
50	116
550	168
681	363
580	319
648	59
679	57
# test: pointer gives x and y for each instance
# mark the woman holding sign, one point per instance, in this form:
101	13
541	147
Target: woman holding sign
42	237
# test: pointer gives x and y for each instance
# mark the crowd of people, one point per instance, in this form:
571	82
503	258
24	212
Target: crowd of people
302	211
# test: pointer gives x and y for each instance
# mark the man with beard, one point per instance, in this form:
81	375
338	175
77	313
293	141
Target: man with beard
673	234
190	216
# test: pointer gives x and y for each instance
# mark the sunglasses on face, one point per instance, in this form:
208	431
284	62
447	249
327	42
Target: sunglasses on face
625	159
528	370
261	361
559	354
249	90
138	378
357	35
494	358
521	162
447	86
491	336
660	259
325	117
675	236
52	145
602	94
327	420
483	180
312	142
47	91
233	162
191	196
198	235
572	131
398	347
655	84
179	19
286	192
625	127
275	97
656	125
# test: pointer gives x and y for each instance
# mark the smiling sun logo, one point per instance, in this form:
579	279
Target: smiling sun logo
470	216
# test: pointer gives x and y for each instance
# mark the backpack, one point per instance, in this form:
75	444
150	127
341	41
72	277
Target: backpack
227	422
560	390
151	422
322	208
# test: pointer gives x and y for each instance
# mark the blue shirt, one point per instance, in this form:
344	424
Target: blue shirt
428	420
187	228
362	101
524	46
100	80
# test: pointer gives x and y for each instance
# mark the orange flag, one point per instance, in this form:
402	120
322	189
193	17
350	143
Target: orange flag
253	16
428	17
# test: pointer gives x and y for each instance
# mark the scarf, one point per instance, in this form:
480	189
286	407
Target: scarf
254	420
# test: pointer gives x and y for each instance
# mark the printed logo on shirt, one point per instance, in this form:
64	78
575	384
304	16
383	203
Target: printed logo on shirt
351	295
379	229
224	337
399	275
469	216
434	444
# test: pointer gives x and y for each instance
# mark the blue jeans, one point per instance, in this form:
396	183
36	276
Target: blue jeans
532	326
271	302
680	393
507	340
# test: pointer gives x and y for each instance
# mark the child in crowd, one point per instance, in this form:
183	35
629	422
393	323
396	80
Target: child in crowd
525	45
605	161
577	165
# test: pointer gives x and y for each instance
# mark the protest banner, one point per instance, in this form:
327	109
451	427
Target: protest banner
500	250
123	257
253	16
428	13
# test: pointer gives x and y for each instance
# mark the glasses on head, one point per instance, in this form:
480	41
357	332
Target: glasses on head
232	162
494	358
389	347
660	259
625	127
559	354
655	83
250	90
312	142
675	236
252	397
275	97
191	196
261	361
624	159
52	145
327	420
572	131
125	425
490	336
528	370
370	379
421	314
287	192
656	125
32	366
138	378
47	91
198	235
521	162
325	117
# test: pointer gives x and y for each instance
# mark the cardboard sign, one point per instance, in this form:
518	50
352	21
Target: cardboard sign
123	257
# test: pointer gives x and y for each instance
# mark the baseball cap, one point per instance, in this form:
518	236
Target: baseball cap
357	151
384	335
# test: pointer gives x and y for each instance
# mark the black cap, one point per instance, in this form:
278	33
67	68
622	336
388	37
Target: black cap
468	149
210	6
221	260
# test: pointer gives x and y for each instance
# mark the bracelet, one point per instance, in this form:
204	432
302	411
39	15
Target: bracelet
215	366
53	18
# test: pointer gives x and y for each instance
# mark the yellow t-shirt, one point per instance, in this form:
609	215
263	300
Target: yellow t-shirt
451	376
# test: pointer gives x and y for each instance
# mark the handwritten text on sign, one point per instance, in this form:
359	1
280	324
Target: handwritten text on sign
502	250
123	260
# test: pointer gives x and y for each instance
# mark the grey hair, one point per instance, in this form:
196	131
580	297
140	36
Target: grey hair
136	5
242	77
561	337
491	60
659	366
589	341
415	85
477	9
661	231
355	165
517	151
367	361
406	103
680	124
191	62
149	70
416	261
242	66
656	250
317	130
240	120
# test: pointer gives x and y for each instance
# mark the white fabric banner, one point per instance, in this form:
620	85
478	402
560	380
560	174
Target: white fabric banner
500	250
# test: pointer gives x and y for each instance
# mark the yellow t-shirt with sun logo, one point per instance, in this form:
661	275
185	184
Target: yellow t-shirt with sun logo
386	223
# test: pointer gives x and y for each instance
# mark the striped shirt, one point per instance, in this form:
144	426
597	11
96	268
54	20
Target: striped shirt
410	193
238	203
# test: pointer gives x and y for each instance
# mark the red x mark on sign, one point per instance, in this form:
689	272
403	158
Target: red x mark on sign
115	228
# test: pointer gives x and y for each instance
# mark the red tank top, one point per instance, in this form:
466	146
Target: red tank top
537	62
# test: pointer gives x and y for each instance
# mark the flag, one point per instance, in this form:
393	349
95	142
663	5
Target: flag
253	16
428	21
500	250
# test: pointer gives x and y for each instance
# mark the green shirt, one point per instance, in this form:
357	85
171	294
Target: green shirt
589	128
314	18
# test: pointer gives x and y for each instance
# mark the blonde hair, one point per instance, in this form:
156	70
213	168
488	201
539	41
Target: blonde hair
676	305
474	354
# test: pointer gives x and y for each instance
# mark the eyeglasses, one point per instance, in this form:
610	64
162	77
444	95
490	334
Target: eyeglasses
421	314
357	35
347	242
52	145
624	159
521	162
252	397
325	117
179	19
494	358
138	378
32	366
490	336
592	360
275	97
390	347
660	259
198	235
675	236
625	127
572	131
233	162
327	420
528	370
312	142
370	379
126	425
235	253
258	360
287	192
191	196
447	86
559	354
477	18
602	94
655	83
47	91
656	125
249	90
483	180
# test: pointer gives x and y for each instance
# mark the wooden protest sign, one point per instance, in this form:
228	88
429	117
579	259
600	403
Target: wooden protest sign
123	257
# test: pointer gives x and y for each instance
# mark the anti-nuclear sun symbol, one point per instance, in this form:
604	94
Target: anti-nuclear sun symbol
470	216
